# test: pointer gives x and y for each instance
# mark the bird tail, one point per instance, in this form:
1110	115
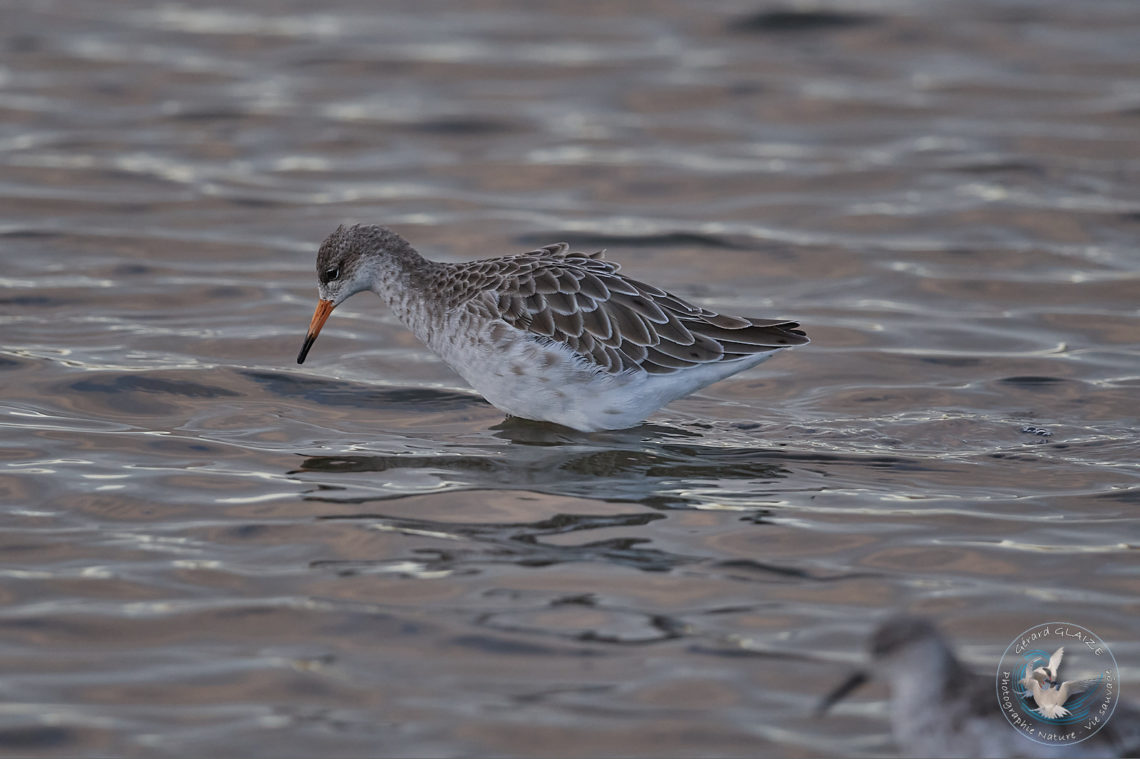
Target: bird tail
1053	711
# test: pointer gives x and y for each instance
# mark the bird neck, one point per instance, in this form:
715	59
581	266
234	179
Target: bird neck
929	667
404	280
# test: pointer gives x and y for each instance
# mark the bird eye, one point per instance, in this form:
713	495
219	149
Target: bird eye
332	274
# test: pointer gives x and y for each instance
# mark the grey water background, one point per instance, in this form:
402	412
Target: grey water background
206	549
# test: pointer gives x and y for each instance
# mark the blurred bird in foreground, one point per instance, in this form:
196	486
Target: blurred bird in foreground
940	708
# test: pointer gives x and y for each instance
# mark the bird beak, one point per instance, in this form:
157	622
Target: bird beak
320	316
856	679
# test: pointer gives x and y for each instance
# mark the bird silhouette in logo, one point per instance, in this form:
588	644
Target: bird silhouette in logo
1049	692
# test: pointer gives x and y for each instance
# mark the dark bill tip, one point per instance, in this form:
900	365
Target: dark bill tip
320	316
856	679
309	340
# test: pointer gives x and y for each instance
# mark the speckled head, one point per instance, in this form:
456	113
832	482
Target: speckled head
350	260
904	645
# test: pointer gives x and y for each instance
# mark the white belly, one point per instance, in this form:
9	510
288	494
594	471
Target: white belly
532	378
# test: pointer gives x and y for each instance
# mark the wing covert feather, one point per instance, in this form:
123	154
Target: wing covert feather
614	323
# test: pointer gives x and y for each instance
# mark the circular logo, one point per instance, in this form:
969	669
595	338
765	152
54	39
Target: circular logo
1058	684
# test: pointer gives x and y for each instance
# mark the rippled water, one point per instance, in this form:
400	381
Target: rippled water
207	548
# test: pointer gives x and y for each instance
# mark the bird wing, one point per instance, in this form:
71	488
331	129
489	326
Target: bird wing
976	691
616	323
1073	687
1055	661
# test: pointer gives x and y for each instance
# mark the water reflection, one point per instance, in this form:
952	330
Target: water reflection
623	468
545	465
523	545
